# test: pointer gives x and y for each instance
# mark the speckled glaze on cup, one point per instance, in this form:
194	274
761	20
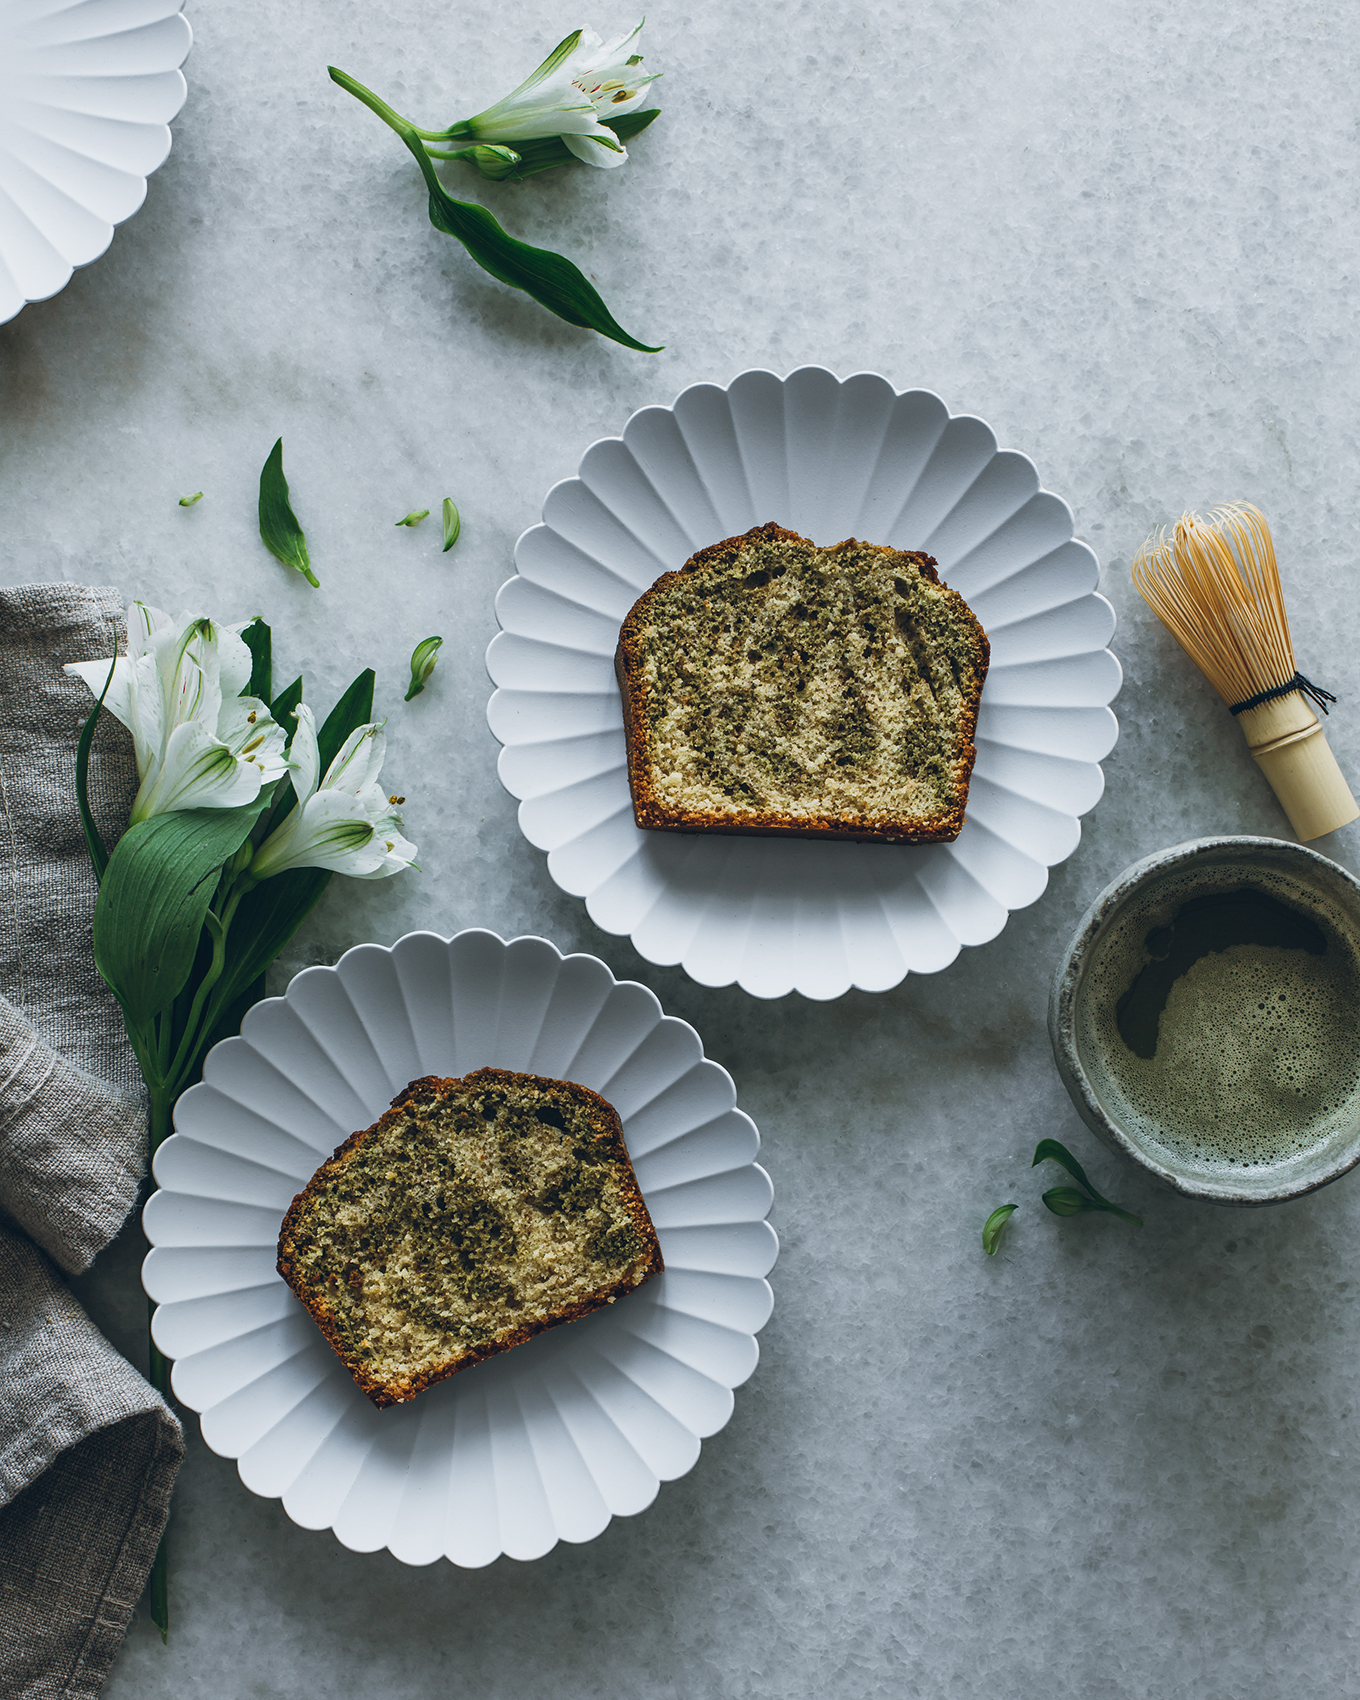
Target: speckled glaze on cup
1273	866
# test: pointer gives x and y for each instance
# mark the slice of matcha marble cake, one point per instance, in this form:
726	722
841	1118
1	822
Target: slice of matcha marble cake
771	686
475	1214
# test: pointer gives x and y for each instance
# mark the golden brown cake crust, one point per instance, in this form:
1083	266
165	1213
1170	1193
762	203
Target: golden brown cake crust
430	1090
654	812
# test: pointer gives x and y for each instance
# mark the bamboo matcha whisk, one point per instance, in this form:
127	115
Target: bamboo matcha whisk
1216	586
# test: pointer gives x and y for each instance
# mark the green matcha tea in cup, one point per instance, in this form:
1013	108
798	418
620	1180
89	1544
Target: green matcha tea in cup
1206	1019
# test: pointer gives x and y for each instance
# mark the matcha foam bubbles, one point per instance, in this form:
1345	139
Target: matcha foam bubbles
1221	1020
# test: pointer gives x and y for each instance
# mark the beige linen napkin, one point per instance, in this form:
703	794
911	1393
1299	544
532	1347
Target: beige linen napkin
88	1450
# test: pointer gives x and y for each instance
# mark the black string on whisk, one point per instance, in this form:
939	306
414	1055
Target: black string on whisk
1305	687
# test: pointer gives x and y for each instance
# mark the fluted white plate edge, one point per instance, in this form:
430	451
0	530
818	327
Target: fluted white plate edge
87	93
549	1441
828	458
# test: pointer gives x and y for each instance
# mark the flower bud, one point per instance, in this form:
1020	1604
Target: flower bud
423	658
492	160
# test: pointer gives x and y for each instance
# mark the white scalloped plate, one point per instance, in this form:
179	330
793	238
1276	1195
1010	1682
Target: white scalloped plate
87	92
829	459
550	1440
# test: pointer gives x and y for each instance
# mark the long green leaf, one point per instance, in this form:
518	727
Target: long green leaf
258	641
553	281
279	529
630	124
99	855
284	706
354	709
156	890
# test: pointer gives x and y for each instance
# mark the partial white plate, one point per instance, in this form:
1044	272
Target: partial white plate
829	459
87	92
546	1442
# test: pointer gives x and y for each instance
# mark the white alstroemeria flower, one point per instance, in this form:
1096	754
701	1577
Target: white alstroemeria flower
581	81
199	743
346	823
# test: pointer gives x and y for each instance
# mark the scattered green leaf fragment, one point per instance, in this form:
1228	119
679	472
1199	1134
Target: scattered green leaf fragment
279	529
415	517
452	524
1050	1151
991	1228
1067	1201
188	501
1070	1200
423	658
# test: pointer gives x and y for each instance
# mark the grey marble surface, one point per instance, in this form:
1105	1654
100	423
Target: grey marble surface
1108	1462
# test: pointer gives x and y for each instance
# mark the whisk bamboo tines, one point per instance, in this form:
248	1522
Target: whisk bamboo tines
1216	586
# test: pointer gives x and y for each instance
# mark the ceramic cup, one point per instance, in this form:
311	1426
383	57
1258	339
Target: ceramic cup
1242	1083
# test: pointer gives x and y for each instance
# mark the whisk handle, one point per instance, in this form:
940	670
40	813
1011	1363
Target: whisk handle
1287	740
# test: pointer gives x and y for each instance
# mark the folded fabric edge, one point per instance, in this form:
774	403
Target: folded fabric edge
60	1379
76	1548
74	1148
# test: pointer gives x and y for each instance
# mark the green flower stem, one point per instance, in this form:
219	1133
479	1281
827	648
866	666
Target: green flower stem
165	1032
161	1125
245	884
389	115
162	1113
188	1044
162	1105
409	132
229	898
459	132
